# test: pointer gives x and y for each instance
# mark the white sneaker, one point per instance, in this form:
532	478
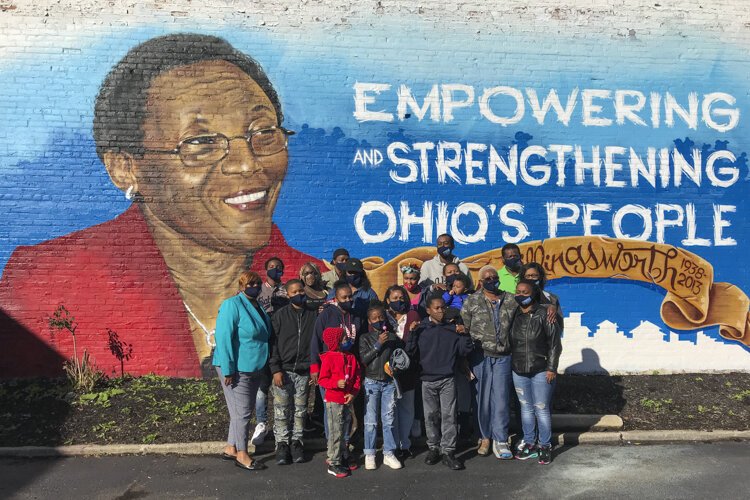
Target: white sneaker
391	461
260	434
370	462
501	450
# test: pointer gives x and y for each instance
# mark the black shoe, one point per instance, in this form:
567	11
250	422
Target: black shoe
338	471
254	465
404	454
545	455
453	463
433	457
298	452
283	456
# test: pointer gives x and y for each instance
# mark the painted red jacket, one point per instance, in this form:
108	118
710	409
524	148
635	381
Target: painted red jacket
335	366
111	275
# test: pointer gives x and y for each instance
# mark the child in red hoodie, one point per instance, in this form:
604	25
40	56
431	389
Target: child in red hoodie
341	378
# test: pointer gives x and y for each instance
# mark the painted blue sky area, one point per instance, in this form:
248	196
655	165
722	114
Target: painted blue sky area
51	181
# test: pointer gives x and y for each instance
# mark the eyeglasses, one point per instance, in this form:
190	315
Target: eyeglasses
209	149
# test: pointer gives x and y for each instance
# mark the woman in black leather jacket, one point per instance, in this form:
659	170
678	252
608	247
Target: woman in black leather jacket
535	353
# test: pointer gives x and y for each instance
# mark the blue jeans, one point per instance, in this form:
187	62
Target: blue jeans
493	378
535	396
261	405
380	398
404	419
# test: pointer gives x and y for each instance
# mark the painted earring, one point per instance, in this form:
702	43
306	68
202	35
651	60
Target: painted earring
129	193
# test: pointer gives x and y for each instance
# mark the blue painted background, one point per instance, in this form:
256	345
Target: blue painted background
51	181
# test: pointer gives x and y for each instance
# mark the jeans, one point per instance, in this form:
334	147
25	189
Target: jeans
380	398
439	400
336	416
535	396
239	396
290	407
261	400
493	379
404	420
347	417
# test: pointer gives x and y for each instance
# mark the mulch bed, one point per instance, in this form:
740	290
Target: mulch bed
154	409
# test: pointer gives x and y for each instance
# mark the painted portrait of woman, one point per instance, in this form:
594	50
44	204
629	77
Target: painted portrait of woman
191	130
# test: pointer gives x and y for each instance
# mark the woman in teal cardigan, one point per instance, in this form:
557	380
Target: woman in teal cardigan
243	330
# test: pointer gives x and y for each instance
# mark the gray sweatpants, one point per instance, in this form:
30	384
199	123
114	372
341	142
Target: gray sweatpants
290	407
240	398
439	402
336	416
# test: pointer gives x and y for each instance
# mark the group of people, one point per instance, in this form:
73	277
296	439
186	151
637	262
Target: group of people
434	351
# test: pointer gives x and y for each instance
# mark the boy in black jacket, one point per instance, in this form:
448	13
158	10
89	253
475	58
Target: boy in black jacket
290	364
436	345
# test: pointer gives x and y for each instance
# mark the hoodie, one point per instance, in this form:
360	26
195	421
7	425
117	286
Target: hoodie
332	316
336	365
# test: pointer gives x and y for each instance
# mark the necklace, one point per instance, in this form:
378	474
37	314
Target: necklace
209	334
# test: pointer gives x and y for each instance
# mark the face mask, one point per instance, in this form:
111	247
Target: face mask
412	287
445	252
399	306
523	300
275	273
340	266
347	344
378	326
354	279
346	306
538	282
514	263
450	279
252	291
492	287
299	300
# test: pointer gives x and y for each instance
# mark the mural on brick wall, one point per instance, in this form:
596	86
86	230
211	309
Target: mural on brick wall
167	165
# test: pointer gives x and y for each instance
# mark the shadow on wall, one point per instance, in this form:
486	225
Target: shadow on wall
588	388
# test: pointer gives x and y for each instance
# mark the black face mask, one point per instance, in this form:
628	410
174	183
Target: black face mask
492	287
524	300
252	291
346	306
450	279
399	306
340	266
354	279
275	273
445	252
514	263
299	300
378	326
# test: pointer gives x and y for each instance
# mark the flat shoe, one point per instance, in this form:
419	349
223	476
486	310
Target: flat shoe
227	456
253	466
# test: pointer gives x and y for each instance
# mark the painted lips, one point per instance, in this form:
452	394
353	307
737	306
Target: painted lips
247	201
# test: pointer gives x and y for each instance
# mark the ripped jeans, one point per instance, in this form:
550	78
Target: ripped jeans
380	398
535	396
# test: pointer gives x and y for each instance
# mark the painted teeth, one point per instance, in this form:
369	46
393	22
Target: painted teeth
246	198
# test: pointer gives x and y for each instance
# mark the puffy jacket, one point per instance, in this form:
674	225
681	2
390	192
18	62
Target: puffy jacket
290	341
534	341
480	324
374	356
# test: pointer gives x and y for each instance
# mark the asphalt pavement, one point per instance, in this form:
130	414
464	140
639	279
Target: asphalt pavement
680	471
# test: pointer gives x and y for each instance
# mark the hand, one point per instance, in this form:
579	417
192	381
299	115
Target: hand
228	380
383	338
551	376
341	383
278	379
314	378
460	329
348	398
440	286
452	292
413	326
552	314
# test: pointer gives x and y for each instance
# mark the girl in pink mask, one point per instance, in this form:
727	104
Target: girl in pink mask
410	274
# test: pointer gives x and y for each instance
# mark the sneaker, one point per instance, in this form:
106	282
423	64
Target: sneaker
453	463
433	456
403	454
370	462
338	471
526	451
501	450
349	462
298	452
260	434
283	455
391	461
545	455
